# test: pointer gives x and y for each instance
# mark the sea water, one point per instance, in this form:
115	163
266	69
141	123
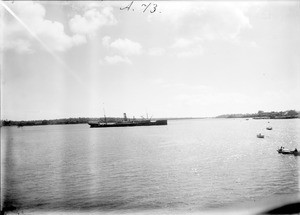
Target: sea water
188	165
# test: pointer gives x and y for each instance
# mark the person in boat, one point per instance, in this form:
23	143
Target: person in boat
281	148
295	150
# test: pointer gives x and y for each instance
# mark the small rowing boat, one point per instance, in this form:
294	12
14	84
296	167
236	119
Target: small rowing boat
260	135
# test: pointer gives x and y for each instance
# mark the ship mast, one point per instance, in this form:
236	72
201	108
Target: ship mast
104	114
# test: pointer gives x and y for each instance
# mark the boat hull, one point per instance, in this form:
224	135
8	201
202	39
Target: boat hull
288	152
128	124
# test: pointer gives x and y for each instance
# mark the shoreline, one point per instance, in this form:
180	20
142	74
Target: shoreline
69	122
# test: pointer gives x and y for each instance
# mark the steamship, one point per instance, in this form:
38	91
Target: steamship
127	123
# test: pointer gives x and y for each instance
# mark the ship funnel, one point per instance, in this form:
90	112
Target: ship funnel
125	117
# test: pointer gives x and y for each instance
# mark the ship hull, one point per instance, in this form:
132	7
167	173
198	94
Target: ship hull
129	124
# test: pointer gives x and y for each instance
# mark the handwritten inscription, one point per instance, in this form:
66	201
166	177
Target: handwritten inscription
151	7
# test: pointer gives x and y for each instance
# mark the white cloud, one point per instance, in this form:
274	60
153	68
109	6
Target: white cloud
127	47
121	48
225	21
78	39
205	20
196	23
32	15
92	20
117	59
53	35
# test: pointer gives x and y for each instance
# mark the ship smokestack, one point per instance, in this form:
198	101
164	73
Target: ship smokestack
125	117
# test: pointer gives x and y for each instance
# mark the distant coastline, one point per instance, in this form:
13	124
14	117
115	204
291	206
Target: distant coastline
289	114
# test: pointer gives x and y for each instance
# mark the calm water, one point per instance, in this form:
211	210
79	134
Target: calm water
187	165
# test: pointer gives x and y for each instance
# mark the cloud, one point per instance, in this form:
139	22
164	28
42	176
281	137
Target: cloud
78	39
92	20
121	48
32	15
196	23
224	21
126	47
51	33
205	20
117	59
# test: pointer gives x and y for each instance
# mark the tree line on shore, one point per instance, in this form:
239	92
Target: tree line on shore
289	114
80	120
47	122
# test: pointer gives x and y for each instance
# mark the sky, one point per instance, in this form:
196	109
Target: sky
168	59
